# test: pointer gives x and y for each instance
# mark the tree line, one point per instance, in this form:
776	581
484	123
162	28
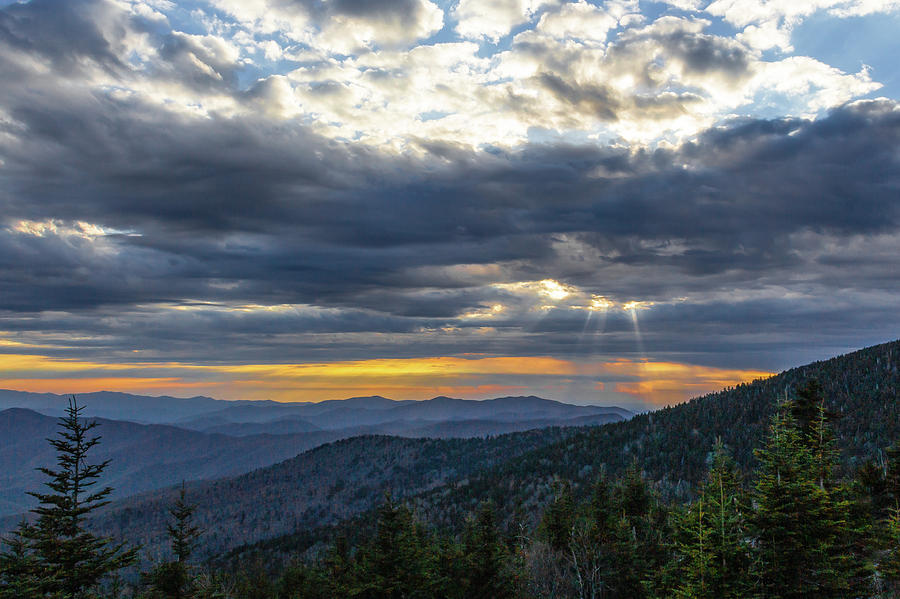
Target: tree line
797	525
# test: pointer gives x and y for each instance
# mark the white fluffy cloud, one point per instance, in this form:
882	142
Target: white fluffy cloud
339	26
768	24
578	20
477	19
366	71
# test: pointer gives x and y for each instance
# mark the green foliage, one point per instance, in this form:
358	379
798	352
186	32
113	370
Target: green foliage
712	553
881	485
398	562
671	445
889	566
182	532
603	513
20	572
58	555
802	519
487	574
175	579
559	517
172	579
302	581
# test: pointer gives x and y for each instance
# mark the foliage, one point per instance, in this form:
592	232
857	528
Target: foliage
776	489
791	527
711	549
174	579
58	555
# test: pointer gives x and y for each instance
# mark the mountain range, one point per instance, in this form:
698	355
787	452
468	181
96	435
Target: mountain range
671	446
300	503
222	438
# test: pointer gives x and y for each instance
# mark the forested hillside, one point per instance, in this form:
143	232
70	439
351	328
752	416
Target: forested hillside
322	486
787	487
142	457
201	447
670	446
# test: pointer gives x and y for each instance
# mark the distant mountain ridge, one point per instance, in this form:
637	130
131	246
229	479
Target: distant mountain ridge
248	417
143	457
221	438
671	446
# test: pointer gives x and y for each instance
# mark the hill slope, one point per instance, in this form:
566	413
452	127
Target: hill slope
143	457
670	445
322	486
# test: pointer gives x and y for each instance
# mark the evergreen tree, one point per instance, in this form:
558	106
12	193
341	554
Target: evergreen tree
174	578
598	564
802	524
808	405
892	477
559	517
254	582
397	563
881	485
789	515
487	575
641	537
20	573
69	559
712	553
889	563
301	581
182	531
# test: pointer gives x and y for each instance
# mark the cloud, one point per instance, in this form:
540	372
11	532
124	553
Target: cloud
578	20
493	20
769	24
340	26
204	195
734	216
577	71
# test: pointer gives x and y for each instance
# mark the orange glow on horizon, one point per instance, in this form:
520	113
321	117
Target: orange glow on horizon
648	382
664	383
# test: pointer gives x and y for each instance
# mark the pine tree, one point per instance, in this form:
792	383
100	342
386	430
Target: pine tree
638	553
804	526
487	575
892	476
881	485
712	555
790	510
302	581
181	530
889	563
807	406
174	579
70	559
398	562
20	573
558	518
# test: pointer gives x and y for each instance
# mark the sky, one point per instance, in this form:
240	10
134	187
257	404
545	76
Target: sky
618	202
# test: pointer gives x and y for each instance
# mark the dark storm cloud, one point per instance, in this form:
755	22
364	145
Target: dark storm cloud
232	201
63	32
393	249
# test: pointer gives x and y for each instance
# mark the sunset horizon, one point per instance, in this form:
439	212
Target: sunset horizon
601	202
